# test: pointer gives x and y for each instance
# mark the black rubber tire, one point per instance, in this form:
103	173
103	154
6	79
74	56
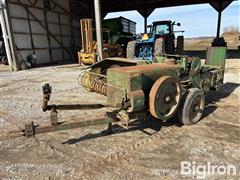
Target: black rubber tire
131	49
180	45
188	100
170	45
159	47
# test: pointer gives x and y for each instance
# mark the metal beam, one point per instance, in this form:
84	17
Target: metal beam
47	31
127	5
35	7
49	22
145	24
146	13
219	23
98	21
219	7
31	130
61	33
82	8
30	31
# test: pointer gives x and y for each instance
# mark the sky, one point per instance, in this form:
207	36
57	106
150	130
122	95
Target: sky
196	20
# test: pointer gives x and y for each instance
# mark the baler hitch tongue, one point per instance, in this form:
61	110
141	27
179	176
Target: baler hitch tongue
30	129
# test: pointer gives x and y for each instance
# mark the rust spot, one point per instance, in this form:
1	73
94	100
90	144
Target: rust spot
145	68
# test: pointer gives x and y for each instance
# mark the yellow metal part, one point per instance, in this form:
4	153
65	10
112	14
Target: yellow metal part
88	53
87	58
145	37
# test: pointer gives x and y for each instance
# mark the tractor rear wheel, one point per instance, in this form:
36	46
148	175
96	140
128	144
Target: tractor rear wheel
131	49
180	45
192	107
170	45
159	47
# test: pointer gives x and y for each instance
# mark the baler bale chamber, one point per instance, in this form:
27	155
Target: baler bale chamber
169	86
132	85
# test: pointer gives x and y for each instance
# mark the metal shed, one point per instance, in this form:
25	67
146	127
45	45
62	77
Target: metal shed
48	31
41	30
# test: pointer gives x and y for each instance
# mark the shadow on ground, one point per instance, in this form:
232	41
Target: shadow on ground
137	125
213	97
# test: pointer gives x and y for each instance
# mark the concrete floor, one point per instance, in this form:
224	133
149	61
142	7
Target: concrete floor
150	151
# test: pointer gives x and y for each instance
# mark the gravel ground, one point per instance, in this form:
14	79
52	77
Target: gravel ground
150	151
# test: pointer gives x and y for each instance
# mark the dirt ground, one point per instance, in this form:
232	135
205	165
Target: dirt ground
152	150
232	39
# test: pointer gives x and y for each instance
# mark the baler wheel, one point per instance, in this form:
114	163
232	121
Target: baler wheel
192	106
164	97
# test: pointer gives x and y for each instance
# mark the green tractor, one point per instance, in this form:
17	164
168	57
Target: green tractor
159	40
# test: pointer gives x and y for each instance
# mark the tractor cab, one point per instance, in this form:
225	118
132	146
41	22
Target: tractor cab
160	28
164	28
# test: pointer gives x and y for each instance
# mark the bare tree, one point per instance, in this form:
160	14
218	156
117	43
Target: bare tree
232	28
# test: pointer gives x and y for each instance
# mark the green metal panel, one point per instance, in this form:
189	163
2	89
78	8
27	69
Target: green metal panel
212	77
125	80
159	59
216	56
137	99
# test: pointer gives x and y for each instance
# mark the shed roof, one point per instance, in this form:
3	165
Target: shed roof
85	8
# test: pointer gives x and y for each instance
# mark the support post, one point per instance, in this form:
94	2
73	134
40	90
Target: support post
5	38
98	21
145	14
219	7
219	22
145	24
30	30
15	63
47	31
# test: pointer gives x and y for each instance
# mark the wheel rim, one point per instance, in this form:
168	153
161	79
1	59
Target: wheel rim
196	108
164	97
